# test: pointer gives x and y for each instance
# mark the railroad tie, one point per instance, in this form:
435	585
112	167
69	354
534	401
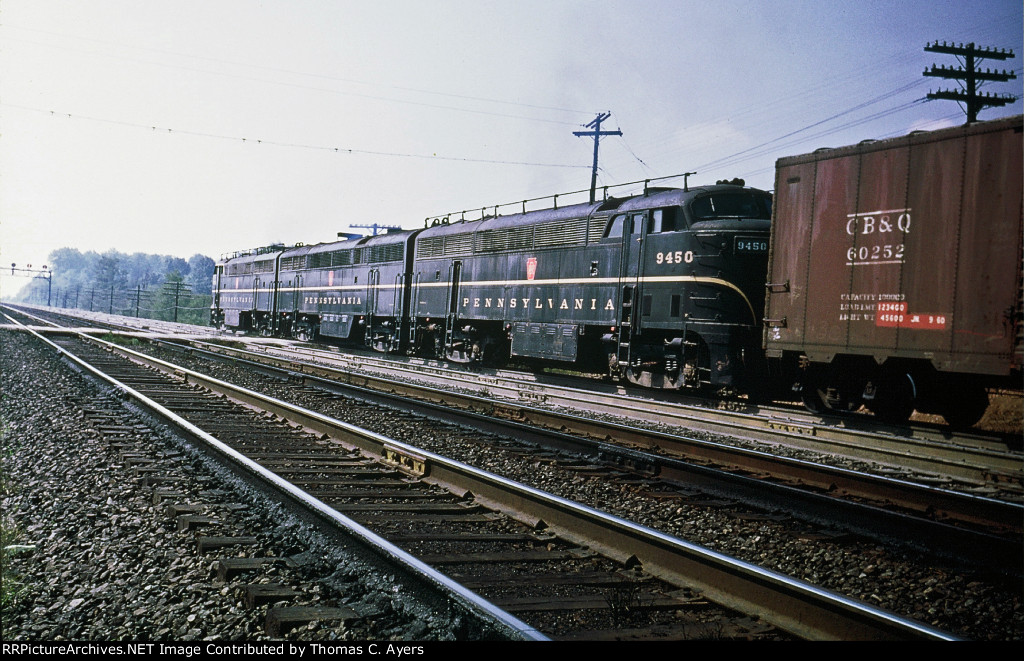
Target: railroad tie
281	620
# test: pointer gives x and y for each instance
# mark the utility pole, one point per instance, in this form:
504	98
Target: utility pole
971	76
180	288
596	133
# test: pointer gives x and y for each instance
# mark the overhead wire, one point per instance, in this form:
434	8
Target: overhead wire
295	72
769	113
746	154
279	143
327	89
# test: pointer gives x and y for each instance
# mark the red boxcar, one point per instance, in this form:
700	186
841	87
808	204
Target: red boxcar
895	271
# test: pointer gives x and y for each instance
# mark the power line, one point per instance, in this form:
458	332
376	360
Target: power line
763	149
320	76
285	71
294	145
855	108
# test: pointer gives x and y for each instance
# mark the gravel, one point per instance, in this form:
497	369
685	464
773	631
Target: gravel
94	558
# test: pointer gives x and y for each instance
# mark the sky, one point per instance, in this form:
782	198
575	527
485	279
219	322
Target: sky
208	126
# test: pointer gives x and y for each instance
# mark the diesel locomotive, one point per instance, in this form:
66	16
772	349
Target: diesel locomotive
664	289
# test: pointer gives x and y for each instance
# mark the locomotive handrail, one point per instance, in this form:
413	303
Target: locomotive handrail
555	196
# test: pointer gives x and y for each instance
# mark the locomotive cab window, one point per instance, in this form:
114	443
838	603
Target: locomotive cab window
664	220
615	227
635	223
730	205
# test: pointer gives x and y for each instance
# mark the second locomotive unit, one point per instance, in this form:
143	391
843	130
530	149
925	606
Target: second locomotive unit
665	289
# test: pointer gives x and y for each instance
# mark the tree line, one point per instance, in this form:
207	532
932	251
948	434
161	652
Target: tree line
137	285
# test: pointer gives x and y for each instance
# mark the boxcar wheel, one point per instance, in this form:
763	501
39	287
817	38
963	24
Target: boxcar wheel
963	407
894	398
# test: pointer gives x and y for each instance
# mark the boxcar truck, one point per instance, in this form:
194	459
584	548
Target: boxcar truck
894	276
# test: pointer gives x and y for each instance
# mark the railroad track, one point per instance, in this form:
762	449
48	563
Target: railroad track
996	544
788	605
979	461
612	437
83	320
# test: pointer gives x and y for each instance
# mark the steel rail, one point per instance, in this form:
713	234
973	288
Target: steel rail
1000	552
421	578
927	452
942	504
792	605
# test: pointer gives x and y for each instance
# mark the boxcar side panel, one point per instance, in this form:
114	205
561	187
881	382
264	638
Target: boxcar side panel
907	248
934	202
990	253
876	230
786	299
835	193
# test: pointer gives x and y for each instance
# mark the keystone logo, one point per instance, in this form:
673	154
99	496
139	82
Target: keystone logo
531	267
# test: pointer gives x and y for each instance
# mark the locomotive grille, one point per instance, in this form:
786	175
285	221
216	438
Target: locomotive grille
519	238
294	263
244	268
323	260
494	241
557	234
570	233
342	257
596	230
377	254
458	244
432	247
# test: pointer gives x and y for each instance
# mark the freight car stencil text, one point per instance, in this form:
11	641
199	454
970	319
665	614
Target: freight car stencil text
877	225
881	222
